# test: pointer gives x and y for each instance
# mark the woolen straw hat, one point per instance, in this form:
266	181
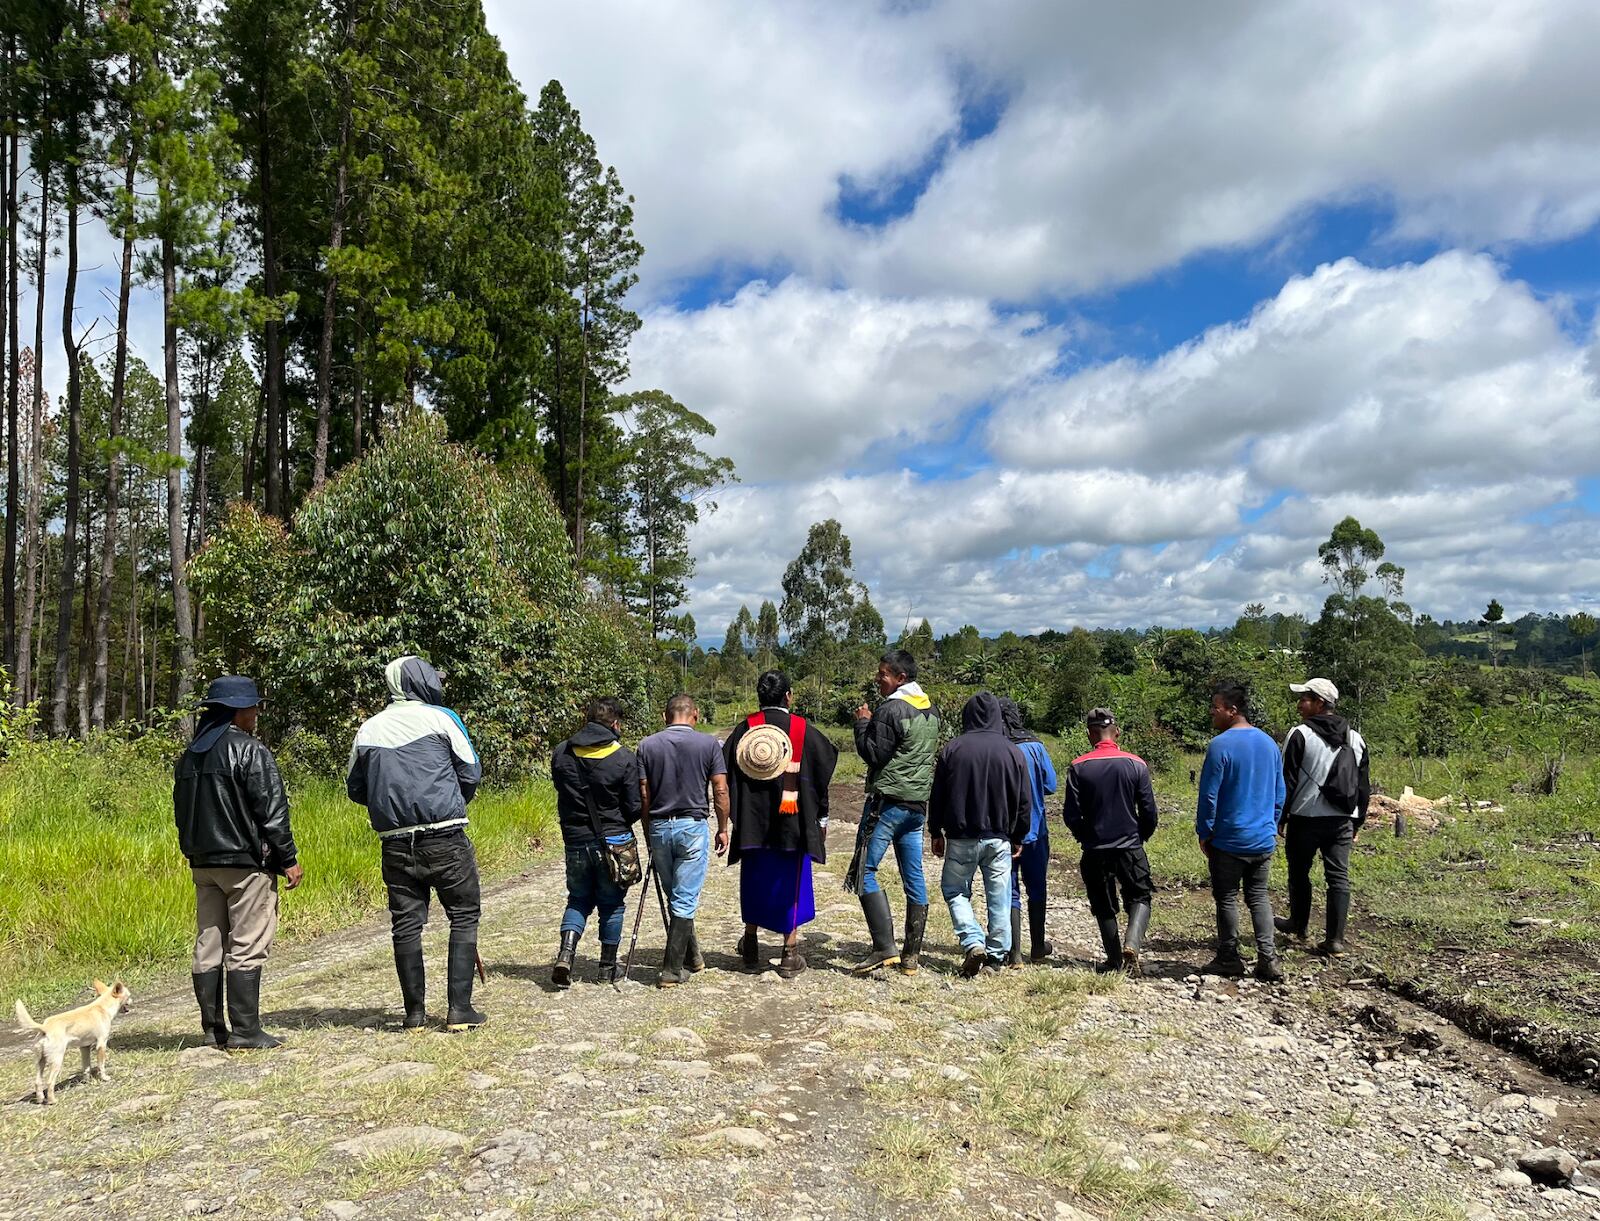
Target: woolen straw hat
764	752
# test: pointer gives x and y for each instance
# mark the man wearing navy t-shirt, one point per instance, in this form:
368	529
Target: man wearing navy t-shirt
1241	799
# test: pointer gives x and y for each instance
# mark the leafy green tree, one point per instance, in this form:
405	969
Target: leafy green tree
1360	642
765	642
1077	682
423	547
1582	626
820	590
670	478
1493	619
741	630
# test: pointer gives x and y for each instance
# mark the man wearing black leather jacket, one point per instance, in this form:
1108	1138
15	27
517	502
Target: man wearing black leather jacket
232	814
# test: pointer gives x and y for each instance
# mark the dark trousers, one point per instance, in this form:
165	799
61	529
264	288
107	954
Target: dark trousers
415	866
1107	870
1228	873
1304	839
1031	869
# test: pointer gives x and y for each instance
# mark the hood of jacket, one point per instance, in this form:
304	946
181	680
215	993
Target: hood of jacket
1011	717
594	734
1330	727
411	678
981	714
213	723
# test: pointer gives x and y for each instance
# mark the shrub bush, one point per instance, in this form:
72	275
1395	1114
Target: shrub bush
424	547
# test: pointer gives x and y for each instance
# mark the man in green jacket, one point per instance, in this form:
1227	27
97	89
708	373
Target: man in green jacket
898	742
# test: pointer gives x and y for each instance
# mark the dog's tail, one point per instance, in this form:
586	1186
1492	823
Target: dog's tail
25	1019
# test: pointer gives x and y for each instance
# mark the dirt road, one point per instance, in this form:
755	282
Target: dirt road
1047	1092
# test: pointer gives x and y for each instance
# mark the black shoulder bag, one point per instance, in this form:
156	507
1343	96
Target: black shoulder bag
622	860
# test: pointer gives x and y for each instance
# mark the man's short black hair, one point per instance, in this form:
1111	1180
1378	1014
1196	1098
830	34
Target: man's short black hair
771	687
900	662
1234	695
605	710
680	706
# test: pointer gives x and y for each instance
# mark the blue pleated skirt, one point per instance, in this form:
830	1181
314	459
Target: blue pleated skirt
775	891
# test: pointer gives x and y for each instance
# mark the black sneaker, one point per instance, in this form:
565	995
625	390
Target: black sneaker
1268	971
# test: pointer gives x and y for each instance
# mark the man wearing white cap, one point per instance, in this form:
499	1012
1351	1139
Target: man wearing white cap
1326	772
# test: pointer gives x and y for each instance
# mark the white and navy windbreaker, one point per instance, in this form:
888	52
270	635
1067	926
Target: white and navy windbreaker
413	765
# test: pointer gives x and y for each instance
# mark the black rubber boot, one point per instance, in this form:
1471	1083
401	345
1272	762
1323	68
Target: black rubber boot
973	964
792	963
244	1012
408	965
561	973
208	992
1040	949
673	972
1111	939
749	951
1268	970
463	967
1338	920
880	923
916	925
1013	957
608	963
694	960
1133	939
1286	926
1227	962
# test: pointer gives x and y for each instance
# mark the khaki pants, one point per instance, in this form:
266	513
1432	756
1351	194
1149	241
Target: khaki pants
236	916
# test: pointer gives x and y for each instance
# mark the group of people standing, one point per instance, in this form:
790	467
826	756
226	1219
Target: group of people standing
979	800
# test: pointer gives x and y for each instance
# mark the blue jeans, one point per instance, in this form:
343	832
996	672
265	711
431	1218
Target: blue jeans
680	850
589	886
1030	869
963	858
903	828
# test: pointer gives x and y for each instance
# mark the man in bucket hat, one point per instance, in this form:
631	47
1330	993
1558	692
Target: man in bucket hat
232	814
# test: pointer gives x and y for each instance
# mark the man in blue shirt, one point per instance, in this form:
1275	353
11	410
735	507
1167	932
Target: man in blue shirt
1032	867
1241	798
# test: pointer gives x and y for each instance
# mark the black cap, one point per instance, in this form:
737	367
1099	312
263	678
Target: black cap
1100	718
232	691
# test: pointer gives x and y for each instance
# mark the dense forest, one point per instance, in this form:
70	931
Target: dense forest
347	215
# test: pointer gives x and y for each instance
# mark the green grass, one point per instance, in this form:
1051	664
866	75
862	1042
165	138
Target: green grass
95	886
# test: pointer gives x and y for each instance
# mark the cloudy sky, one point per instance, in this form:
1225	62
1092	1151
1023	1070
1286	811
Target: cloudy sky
1105	314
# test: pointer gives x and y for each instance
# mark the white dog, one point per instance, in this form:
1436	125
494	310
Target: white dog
87	1027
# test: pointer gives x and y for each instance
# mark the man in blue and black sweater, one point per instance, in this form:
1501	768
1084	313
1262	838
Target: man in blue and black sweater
1241	798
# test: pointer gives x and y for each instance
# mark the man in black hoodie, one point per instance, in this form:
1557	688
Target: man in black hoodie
232	815
1329	788
979	812
598	801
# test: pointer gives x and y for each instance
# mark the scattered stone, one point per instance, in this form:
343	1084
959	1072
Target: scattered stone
951	1072
1543	1106
400	1070
694	1070
235	1106
477	1183
864	1021
747	1060
1508	1102
201	1208
577	1049
1553	1167
574	1081
743	1140
344	1210
618	1059
481	1081
678	1036
136	1106
1066	1212
202	1057
386	1140
1273	1042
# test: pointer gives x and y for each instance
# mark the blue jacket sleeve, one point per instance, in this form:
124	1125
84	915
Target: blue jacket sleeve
1279	797
1046	769
1205	815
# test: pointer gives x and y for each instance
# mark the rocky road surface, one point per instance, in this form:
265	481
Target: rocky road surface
1046	1092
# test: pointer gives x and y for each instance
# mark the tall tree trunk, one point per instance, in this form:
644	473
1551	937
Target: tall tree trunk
252	449
13	456
182	620
583	429
330	288
31	541
8	263
108	530
357	404
85	645
560	429
69	534
272	382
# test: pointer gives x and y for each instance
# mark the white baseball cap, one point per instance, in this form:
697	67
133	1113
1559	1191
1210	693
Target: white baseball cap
1319	687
